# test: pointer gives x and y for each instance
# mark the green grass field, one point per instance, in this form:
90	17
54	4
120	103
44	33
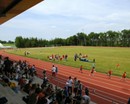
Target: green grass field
106	57
12	45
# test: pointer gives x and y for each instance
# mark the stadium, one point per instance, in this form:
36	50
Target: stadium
54	73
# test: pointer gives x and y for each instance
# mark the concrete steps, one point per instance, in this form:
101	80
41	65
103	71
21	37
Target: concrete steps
13	98
16	98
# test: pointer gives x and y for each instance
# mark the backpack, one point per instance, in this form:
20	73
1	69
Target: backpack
129	101
56	69
3	100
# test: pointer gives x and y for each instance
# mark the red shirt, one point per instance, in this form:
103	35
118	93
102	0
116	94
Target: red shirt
109	72
81	67
118	65
92	71
124	75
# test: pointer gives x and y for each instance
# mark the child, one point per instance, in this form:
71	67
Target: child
81	67
109	74
92	71
123	76
44	72
117	66
53	71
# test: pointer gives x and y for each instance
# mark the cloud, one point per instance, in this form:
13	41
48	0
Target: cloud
63	18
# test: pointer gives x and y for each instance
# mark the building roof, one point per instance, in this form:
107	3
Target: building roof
1	45
12	8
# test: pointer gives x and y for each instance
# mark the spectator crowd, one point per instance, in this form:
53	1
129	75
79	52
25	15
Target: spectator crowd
46	93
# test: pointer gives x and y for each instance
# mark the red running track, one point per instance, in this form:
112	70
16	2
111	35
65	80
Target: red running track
104	90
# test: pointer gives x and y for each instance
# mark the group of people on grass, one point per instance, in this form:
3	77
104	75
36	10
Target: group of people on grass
58	57
26	53
83	58
80	57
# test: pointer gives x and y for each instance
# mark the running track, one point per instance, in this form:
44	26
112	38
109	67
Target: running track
102	89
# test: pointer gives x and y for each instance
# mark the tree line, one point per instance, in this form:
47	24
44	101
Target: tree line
6	42
109	38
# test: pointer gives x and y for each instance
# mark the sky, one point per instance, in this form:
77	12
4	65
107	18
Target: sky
64	18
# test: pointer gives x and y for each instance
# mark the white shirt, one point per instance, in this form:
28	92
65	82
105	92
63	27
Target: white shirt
70	82
53	69
86	99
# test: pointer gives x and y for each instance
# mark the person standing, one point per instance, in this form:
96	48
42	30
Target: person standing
92	71
86	91
81	68
66	57
7	66
117	66
44	73
75	86
75	57
53	71
70	83
80	87
109	74
123	76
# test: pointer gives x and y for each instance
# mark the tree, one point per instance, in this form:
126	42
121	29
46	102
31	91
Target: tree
82	39
27	42
93	39
19	43
71	40
109	38
102	39
125	38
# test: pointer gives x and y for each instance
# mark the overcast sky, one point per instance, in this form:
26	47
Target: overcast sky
63	18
